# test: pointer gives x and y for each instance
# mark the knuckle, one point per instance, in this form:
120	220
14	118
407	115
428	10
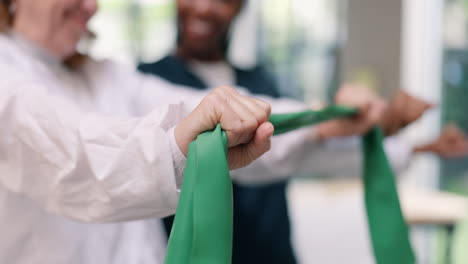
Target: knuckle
214	97
251	124
264	105
237	128
220	91
263	110
226	89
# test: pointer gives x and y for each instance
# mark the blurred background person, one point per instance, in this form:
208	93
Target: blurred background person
261	222
200	60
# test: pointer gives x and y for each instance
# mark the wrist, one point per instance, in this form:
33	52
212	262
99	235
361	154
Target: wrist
183	136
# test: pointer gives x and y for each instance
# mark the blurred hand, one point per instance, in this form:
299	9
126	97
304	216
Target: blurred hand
371	109
403	109
244	119
452	143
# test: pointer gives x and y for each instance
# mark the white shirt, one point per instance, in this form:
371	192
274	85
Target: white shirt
84	146
214	74
96	145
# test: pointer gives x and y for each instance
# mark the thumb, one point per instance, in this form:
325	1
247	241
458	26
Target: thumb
242	155
262	139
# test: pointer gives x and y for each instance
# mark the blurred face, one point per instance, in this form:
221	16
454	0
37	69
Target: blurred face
204	23
56	25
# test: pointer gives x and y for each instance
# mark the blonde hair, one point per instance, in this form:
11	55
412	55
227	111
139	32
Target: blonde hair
6	20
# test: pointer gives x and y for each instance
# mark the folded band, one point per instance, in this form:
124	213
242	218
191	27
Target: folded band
202	230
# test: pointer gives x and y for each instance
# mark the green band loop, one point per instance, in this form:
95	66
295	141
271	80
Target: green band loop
202	231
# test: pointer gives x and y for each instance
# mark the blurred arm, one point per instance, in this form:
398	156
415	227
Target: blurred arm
86	166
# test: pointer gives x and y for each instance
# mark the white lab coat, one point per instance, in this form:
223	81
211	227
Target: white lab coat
82	151
86	146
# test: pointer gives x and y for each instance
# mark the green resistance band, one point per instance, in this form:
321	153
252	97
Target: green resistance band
202	231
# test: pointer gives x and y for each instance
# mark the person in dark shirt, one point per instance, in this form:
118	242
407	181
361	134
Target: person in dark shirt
261	221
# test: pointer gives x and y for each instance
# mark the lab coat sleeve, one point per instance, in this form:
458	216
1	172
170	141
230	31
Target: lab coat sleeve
153	91
85	166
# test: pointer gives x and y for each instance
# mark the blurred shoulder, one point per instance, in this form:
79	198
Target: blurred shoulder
108	67
120	75
10	53
164	66
258	81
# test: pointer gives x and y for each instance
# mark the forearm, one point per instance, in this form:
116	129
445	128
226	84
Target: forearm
85	166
